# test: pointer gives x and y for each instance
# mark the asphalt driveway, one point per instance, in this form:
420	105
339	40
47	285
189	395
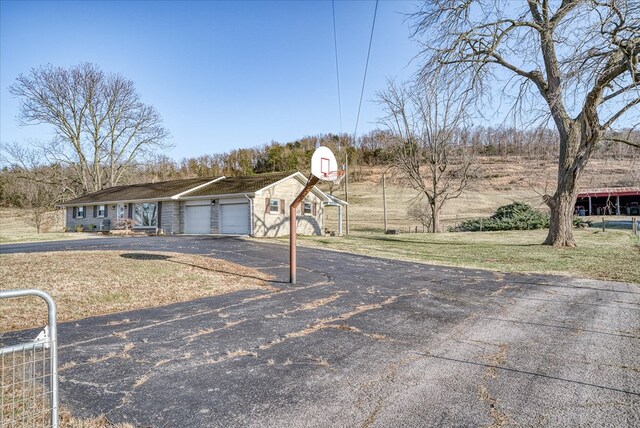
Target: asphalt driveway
359	341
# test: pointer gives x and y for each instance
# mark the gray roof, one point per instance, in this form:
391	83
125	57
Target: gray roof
187	188
233	185
135	192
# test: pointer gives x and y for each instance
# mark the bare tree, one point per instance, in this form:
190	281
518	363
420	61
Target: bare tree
102	128
425	122
421	212
36	184
575	61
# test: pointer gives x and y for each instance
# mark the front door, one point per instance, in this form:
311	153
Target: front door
120	212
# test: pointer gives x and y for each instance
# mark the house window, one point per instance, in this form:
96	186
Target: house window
308	208
274	206
100	211
80	212
145	215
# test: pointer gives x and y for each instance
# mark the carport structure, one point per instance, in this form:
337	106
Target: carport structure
609	201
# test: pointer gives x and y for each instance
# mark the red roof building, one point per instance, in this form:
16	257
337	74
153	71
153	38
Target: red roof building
609	201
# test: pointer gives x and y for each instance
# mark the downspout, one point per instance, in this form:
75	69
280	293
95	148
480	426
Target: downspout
250	215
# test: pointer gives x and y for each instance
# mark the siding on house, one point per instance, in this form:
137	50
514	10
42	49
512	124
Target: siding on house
89	218
266	224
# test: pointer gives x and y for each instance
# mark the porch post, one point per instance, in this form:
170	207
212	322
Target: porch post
339	220
617	204
590	205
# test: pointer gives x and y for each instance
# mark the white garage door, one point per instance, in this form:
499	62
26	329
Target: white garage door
234	219
197	219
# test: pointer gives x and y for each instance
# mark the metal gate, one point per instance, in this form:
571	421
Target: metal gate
29	374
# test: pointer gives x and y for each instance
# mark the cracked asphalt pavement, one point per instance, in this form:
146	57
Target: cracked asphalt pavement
359	341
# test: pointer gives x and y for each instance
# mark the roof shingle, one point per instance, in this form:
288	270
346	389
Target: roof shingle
233	185
134	192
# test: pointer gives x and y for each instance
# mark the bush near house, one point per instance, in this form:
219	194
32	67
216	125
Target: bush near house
515	216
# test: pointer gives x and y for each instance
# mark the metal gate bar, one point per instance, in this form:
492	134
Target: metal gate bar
23	372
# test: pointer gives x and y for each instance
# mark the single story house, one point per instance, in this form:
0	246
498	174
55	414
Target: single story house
256	205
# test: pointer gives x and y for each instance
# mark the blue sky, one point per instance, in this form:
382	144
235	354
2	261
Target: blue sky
223	75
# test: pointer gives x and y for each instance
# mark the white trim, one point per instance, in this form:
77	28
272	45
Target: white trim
197	202
333	201
175	197
271	201
240	200
212	196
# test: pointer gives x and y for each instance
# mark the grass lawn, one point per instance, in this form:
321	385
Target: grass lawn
89	283
16	225
610	255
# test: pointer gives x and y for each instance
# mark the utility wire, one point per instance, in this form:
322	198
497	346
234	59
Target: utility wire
355	131
335	45
366	67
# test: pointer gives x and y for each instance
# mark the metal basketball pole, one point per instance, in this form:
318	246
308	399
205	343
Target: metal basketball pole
293	226
346	190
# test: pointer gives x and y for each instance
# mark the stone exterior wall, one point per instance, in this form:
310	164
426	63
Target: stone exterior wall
181	214
215	215
170	217
266	224
89	219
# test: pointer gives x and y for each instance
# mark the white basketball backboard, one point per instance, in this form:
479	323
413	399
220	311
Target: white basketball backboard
324	164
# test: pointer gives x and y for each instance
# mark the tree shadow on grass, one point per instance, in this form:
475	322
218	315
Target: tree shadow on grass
163	257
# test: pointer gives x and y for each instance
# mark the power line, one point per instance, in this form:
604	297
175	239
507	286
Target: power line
335	45
366	67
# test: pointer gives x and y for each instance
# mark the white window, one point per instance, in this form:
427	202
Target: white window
274	206
121	212
145	215
308	208
80	212
100	211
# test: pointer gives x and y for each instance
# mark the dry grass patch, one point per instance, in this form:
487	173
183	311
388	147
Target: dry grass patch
501	181
17	225
89	283
26	397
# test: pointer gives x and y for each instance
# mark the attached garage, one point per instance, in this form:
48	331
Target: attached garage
254	205
234	218
197	218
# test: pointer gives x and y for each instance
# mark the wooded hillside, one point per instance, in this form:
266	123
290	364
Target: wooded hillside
507	159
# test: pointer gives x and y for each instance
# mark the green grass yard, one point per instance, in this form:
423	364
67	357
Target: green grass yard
610	255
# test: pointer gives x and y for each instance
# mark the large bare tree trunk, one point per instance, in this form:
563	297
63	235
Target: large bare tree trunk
435	217
561	223
578	138
580	56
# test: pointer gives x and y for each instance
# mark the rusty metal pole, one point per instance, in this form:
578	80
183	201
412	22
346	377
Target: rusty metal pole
293	227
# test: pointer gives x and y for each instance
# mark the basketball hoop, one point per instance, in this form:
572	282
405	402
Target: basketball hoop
334	177
324	165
